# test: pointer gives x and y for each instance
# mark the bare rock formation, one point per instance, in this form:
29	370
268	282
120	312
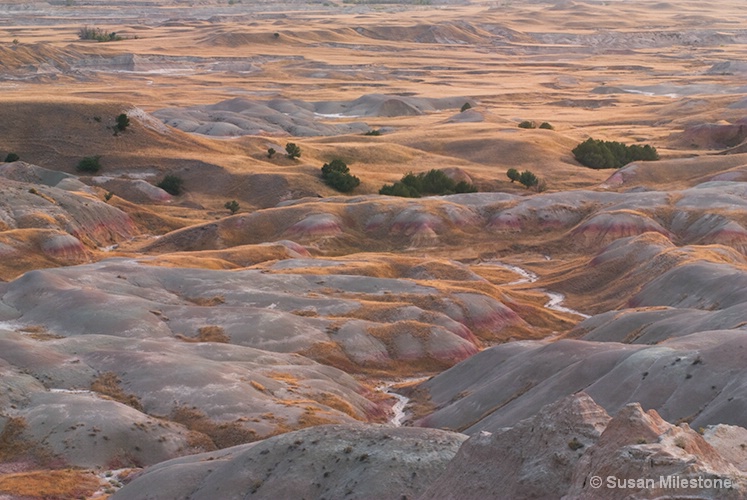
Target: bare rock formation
322	462
535	458
572	449
696	378
569	449
639	454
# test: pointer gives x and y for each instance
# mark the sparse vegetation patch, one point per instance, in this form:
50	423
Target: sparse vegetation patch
98	34
108	384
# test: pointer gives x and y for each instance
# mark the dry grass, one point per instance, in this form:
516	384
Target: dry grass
14	446
210	333
335	402
39	332
311	418
213	333
258	386
207	301
288	379
220	434
11	442
56	484
108	385
330	353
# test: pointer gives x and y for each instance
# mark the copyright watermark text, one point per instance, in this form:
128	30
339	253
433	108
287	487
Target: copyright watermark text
663	482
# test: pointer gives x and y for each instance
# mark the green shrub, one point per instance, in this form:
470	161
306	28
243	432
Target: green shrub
373	132
292	151
546	126
433	182
11	158
527	124
123	121
91	33
528	179
89	164
336	175
465	187
172	184
599	154
232	205
271	152
513	174
465	107
575	444
399	189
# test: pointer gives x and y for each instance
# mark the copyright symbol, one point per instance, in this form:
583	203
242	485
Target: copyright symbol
595	482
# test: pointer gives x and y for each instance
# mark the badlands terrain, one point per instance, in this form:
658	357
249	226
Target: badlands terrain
507	343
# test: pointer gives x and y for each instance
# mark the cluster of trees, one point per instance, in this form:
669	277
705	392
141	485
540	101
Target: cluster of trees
91	33
433	182
292	151
599	154
531	124
525	178
336	175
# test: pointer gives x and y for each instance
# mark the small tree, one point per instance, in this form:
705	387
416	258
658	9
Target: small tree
123	121
172	184
513	174
465	107
11	158
528	179
271	152
336	175
108	196
89	164
292	151
232	205
527	124
546	126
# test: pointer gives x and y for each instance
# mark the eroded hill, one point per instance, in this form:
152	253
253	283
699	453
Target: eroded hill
272	347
